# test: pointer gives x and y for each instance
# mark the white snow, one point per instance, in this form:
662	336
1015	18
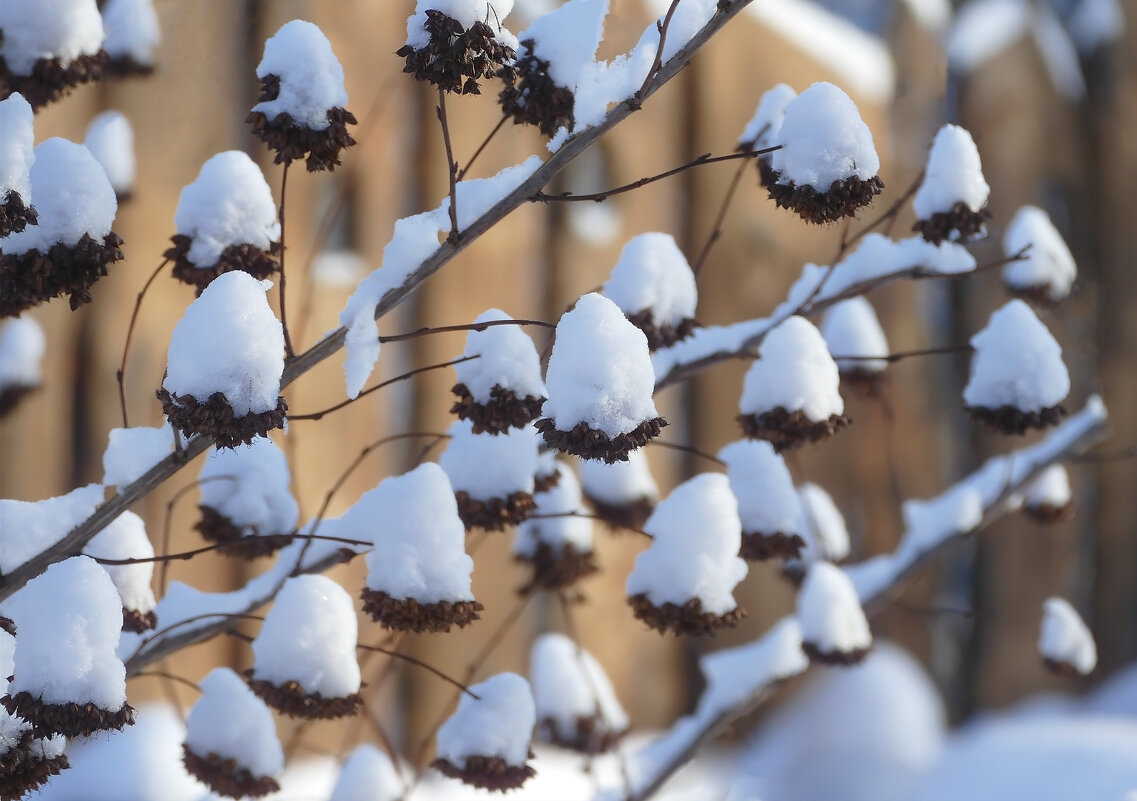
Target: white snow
568	683
338	269
132	30
605	82
229	203
110	139
22	345
688	19
228	720
851	328
72	196
500	724
556	532
600	372
983	29
953	174
1065	638
763	128
13	727
131	452
1051	488
45	29
826	536
69	619
618	483
309	637
1048	264
694	551
1059	53
793	371
17	147
824	139
368	775
957	510
830	611
311	78
26	527
507	358
125	538
1096	23
467	12
652	273
228	341
490	465
249	485
1017	363
933	15
761	482
420	549
415	239
567	38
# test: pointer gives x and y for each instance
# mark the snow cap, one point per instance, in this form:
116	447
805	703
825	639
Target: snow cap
1017	363
765	126
794	371
1048	268
228	341
309	637
229	203
500	724
570	686
826	536
249	485
133	34
17	148
567	37
368	775
231	722
824	139
420	542
833	624
652	275
488	466
952	175
1064	640
851	328
22	345
72	196
507	358
28	527
47	29
125	538
467	12
556	532
133	451
1049	494
311	78
768	504
618	483
694	551
110	139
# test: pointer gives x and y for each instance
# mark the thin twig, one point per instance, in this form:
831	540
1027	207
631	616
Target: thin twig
482	146
587	516
444	329
164	567
419	663
289	353
637	99
162	674
691	449
451	165
154	635
895	357
187	555
121	374
720	220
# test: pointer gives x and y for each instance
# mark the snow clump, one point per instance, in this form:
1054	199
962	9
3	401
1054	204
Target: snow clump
22	345
368	775
622	494
110	139
125	538
833	624
559	549
653	285
1064	640
492	474
576	705
769	507
133	36
50	46
851	329
17	154
951	202
1047	272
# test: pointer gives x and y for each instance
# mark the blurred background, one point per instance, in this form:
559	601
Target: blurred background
1054	125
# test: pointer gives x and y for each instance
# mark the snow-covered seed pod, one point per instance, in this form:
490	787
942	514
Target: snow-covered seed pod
22	345
125	538
1047	271
67	678
452	44
133	36
600	382
791	393
245	493
69	248
502	387
623	494
951	201
226	220
764	128
555	49
547	474
852	330
654	287
827	166
558	549
576	705
768	505
26	761
1048	499
368	775
1018	379
1064	641
231	744
110	139
492	475
49	47
300	113
683	583
17	154
833	624
224	364
131	452
823	527
304	661
485	743
418	573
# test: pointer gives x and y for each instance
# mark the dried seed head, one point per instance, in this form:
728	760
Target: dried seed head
452	56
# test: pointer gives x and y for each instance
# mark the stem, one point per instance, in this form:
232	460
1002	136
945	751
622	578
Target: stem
164	567
895	357
720	219
162	674
638	98
588	515
187	555
443	329
691	449
419	663
452	166
481	147
121	374
289	353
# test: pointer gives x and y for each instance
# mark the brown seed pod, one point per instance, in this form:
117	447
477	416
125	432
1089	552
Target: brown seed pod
487	773
785	430
688	619
589	443
407	614
215	418
843	198
34	277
